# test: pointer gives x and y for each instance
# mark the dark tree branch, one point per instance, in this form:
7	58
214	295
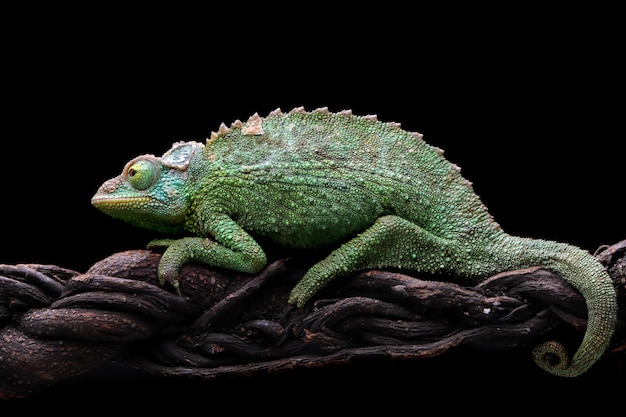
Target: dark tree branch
56	323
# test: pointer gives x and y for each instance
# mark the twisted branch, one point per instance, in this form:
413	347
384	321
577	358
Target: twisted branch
56	323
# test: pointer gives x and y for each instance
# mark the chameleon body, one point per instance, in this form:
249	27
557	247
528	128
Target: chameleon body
375	195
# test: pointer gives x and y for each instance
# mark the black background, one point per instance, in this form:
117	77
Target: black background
530	106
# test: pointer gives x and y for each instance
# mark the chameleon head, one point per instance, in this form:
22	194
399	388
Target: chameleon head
151	191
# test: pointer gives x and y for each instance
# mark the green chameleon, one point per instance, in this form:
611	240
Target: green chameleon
377	195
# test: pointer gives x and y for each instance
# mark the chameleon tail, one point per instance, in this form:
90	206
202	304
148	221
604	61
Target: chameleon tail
589	277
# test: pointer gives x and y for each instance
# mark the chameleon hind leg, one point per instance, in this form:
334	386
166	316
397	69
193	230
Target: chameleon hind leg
390	242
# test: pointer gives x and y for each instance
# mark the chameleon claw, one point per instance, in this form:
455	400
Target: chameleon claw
176	285
295	300
301	294
172	280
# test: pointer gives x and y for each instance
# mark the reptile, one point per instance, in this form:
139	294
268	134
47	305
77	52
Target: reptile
371	193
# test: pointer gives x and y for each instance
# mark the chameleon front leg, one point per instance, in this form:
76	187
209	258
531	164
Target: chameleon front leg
232	248
390	242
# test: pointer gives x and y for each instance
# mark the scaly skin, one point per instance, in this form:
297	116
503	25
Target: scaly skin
313	179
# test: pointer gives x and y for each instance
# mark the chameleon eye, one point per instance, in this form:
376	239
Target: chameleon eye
141	175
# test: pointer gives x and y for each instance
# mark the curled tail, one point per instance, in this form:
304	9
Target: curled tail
590	278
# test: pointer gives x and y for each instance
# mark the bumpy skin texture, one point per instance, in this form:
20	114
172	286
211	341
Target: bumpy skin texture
375	195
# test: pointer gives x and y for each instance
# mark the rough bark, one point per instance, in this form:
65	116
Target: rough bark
56	323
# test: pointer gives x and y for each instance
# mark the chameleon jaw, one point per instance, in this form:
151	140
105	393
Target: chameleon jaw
116	203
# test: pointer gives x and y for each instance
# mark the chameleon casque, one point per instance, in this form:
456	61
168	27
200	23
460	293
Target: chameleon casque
375	195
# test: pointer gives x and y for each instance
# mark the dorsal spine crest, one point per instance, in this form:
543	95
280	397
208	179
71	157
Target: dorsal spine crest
253	126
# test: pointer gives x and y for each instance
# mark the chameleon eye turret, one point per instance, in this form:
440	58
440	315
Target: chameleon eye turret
142	174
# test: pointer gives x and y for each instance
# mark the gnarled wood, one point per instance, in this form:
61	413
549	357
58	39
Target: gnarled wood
55	323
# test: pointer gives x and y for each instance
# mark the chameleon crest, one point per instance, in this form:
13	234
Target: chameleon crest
371	193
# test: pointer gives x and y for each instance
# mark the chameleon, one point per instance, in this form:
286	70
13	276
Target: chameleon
371	193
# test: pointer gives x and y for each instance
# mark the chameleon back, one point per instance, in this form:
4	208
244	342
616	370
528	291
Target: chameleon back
358	163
